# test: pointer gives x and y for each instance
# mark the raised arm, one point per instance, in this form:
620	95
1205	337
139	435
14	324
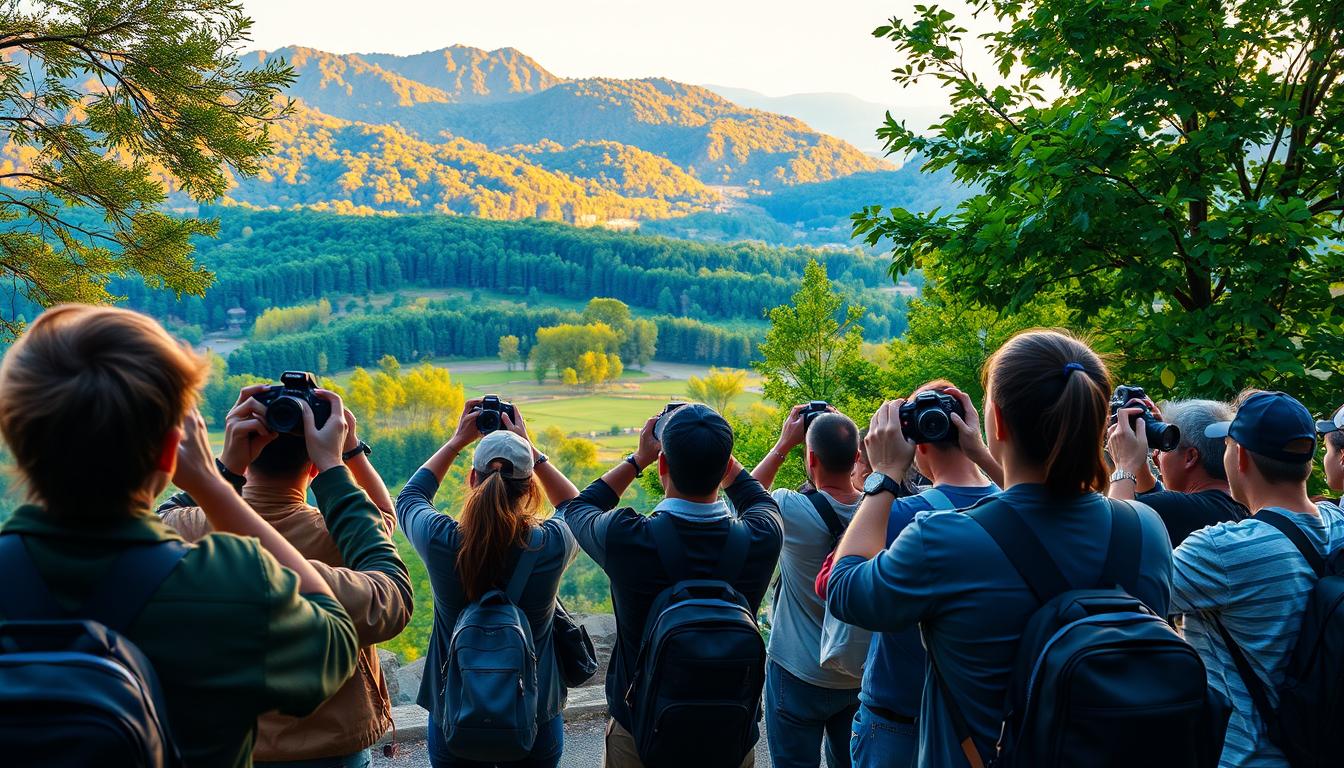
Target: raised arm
890	454
416	514
366	477
971	440
558	488
791	435
591	512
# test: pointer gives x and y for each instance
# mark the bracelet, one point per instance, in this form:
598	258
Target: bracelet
363	448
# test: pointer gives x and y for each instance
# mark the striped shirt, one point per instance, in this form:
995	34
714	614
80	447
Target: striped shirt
1258	583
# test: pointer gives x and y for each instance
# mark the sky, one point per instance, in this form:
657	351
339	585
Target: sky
778	47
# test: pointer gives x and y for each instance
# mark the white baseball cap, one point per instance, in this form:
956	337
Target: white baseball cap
506	446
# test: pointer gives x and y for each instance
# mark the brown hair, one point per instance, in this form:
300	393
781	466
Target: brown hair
87	397
498	515
1056	415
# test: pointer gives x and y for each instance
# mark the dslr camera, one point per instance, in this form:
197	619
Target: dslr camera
812	410
489	414
1161	435
928	418
662	418
284	414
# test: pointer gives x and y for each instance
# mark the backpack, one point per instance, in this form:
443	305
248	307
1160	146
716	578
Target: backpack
1100	680
695	695
490	676
1311	698
75	691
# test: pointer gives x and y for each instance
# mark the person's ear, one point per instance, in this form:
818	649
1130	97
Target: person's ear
997	421
312	470
922	449
1191	457
1243	458
471	478
663	476
167	459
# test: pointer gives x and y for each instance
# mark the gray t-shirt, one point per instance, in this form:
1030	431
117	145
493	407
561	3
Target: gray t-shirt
795	626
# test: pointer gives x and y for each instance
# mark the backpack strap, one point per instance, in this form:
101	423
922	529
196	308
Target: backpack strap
828	515
938	501
668	544
734	555
1254	685
1024	550
25	595
526	561
1297	536
673	555
1124	552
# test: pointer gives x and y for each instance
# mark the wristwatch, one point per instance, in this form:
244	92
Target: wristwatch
877	482
632	462
363	448
541	459
1124	474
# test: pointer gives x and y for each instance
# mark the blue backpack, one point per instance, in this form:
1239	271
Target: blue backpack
73	689
490	675
696	692
1100	680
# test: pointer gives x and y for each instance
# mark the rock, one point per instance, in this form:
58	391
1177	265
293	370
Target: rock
601	628
408	683
390	665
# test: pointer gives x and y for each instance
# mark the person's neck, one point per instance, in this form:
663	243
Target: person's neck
1293	498
271	487
837	487
958	473
1018	473
1201	483
672	493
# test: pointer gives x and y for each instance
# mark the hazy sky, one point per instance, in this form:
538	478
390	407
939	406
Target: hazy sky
777	47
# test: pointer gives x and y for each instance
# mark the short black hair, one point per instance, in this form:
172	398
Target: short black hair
285	456
834	439
697	443
1280	472
1336	439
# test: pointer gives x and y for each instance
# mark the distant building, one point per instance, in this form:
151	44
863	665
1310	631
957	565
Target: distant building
236	317
622	225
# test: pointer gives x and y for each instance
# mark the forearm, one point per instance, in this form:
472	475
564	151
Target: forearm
356	526
228	513
619	477
867	533
366	477
442	460
766	471
558	488
985	461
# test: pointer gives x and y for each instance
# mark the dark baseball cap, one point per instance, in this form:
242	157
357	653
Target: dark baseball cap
697	443
1266	424
1334	424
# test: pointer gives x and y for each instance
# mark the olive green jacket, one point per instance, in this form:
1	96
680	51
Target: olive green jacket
228	633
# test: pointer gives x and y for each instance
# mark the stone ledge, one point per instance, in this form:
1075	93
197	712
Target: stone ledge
410	722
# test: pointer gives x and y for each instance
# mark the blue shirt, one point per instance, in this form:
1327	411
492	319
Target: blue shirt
436	538
947	575
1253	577
893	675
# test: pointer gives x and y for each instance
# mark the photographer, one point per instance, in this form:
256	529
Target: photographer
693	453
476	553
346	538
96	406
1193	492
1332	432
805	704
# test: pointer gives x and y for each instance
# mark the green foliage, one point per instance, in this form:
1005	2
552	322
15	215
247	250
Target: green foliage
717	388
1180	194
508	351
100	99
567	346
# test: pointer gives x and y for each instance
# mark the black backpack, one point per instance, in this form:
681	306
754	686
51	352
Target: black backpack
696	693
1100	679
74	691
1310	716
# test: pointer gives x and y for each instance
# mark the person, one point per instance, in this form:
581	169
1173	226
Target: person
1193	492
1046	407
807	706
1248	576
694	459
1332	432
96	406
347	539
884	730
475	553
862	469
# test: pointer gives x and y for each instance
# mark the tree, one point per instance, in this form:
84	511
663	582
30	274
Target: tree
361	396
812	350
508	351
105	100
1180	193
593	369
569	377
561	346
718	388
644	337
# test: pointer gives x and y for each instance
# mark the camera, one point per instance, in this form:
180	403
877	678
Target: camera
812	410
1161	435
490	413
284	414
662	418
928	418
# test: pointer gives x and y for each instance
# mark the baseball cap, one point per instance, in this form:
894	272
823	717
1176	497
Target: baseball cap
508	447
698	440
1334	424
1266	424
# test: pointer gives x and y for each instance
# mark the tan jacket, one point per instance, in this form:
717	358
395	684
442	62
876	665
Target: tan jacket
378	601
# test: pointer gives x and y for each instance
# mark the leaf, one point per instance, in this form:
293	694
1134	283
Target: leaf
1168	378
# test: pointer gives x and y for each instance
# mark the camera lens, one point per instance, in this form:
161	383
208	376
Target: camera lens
487	421
1162	436
934	425
285	415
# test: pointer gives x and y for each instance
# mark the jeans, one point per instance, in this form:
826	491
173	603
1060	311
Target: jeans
360	759
545	750
619	750
799	716
877	742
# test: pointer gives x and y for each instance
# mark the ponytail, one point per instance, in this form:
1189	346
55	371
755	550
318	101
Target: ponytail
1053	392
497	517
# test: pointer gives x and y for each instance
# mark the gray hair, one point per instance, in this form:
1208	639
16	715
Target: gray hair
1192	416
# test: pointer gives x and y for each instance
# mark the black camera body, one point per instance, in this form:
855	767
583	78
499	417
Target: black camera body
490	413
927	418
812	410
663	415
284	414
1161	435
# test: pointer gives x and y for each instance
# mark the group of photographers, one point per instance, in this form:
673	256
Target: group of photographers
902	633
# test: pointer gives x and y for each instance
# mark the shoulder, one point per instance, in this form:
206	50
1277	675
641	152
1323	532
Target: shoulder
1149	519
189	522
229	568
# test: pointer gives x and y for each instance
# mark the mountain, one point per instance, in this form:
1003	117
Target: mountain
471	74
840	114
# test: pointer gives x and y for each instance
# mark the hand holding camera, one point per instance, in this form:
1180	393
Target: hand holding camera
890	451
467	430
794	430
195	470
246	431
928	418
325	441
1136	405
646	453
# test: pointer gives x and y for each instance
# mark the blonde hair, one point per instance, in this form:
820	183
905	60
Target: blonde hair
88	396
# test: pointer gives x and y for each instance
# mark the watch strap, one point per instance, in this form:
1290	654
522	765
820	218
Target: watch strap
632	462
363	448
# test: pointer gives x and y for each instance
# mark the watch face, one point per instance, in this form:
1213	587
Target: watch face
873	483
